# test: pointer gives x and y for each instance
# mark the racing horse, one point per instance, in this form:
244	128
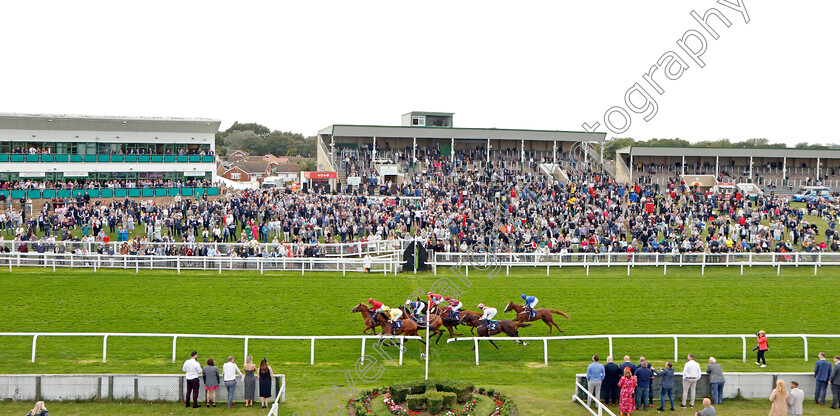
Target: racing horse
435	322
370	322
450	324
471	324
510	328
542	314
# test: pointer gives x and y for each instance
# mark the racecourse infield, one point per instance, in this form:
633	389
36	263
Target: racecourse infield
605	302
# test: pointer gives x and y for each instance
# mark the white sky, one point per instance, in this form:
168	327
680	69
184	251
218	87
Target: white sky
304	65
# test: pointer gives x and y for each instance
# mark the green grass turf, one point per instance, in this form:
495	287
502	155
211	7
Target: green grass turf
605	302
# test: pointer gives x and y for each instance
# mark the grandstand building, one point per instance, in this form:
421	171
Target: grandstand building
763	166
420	131
44	148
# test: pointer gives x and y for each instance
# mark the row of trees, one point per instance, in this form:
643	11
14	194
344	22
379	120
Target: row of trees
257	139
610	146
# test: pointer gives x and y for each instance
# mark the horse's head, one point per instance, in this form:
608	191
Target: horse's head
466	317
509	307
360	307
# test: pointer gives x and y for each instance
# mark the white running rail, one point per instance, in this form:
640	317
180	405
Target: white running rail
675	337
601	407
246	338
281	397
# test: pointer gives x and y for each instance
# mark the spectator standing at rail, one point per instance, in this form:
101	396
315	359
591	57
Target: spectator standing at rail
779	397
716	380
250	383
627	404
667	385
192	369
834	380
610	385
210	374
266	375
761	339
368	261
691	373
230	370
643	380
795	399
822	372
627	364
594	378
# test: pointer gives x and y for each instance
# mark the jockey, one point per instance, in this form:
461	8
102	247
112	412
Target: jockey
454	306
434	299
417	307
488	315
395	313
530	303
377	307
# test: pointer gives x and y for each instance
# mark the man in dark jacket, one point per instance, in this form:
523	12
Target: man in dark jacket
834	380
610	389
822	371
667	385
643	380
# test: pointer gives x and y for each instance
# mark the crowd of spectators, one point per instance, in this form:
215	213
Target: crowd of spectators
466	204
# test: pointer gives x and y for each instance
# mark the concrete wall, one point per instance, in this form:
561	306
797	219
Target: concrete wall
60	387
750	385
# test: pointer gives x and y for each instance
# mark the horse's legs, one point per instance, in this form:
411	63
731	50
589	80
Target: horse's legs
558	326
494	344
440	334
550	324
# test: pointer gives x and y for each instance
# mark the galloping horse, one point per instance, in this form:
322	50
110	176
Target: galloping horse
542	314
435	322
471	324
370	322
510	328
408	328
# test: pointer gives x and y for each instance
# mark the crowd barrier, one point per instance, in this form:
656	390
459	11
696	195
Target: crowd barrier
488	263
132	387
374	248
16	194
610	338
387	264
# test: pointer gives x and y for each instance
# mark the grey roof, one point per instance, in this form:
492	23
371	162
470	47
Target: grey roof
429	113
15	121
728	152
348	130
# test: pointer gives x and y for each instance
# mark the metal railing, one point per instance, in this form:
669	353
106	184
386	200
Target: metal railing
387	264
497	261
610	338
246	338
281	397
361	248
601	407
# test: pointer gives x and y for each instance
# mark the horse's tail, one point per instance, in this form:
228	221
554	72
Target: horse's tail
561	313
522	325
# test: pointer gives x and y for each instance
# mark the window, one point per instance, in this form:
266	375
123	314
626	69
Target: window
418	120
235	176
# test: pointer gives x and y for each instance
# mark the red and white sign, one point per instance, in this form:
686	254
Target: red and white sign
320	175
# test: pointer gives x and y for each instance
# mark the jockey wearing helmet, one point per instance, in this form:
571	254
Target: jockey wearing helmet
434	299
396	314
417	307
454	306
530	303
488	315
378	307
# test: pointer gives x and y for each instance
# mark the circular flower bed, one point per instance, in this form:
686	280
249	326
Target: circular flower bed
432	398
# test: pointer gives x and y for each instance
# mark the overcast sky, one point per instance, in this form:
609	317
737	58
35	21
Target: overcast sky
304	65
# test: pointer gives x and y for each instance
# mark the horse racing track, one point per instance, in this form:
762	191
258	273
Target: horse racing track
605	302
